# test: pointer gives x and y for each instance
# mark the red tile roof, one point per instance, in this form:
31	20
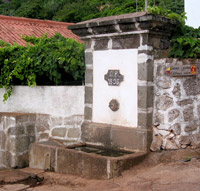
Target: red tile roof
12	28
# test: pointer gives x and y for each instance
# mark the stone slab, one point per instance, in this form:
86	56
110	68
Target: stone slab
79	163
130	138
42	156
117	136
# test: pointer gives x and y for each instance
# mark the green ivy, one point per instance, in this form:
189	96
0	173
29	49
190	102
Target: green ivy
185	41
168	13
42	61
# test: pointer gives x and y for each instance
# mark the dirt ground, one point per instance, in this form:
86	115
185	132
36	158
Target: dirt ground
161	172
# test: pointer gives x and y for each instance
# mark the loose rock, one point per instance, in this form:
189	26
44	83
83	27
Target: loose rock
157	143
171	145
176	128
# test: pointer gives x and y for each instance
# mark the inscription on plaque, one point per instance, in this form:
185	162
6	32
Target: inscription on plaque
185	70
114	78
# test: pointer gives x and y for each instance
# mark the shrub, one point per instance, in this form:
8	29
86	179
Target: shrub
54	61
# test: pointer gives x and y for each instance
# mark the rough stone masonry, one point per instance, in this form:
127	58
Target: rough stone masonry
176	106
19	130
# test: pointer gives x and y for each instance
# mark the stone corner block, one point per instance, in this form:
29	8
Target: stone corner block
88	95
145	96
88	113
145	120
89	76
145	71
88	58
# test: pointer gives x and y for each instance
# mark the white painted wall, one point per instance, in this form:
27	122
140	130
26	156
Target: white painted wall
192	8
126	93
60	101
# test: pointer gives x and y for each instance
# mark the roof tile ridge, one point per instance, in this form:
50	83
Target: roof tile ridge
39	21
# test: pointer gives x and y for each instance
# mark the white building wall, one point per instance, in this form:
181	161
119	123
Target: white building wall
59	101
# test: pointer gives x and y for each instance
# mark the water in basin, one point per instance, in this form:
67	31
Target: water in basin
102	151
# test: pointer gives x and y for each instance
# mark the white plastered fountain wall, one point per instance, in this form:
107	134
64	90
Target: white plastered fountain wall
126	93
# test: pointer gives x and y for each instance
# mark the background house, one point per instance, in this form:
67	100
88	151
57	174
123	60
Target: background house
12	28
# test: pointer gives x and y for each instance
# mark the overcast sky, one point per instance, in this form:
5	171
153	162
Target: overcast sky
192	8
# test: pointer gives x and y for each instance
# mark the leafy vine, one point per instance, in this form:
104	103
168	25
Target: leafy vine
185	42
42	61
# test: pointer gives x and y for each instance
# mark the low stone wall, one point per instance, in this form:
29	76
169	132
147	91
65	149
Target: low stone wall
35	115
176	107
18	131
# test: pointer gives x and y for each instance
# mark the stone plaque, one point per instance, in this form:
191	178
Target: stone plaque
114	78
185	70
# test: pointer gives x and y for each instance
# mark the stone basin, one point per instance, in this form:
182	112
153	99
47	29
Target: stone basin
79	159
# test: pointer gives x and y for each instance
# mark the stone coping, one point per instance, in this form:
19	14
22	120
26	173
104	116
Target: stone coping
15	114
114	17
124	18
179	61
